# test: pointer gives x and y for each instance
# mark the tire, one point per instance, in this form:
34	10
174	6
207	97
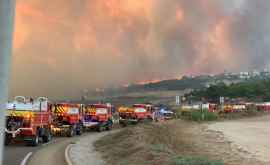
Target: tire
8	139
70	132
99	128
109	125
35	141
47	137
79	130
123	123
150	119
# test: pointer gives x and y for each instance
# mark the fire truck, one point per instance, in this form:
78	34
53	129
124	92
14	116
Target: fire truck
67	119
265	107
98	117
210	107
207	106
135	114
234	108
28	120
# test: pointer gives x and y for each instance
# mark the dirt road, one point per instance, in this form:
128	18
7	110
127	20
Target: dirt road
249	136
84	153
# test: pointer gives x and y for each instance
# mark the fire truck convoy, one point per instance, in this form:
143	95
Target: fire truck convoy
35	121
135	114
29	120
67	119
98	117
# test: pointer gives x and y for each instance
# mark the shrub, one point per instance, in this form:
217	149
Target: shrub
252	112
203	116
196	115
195	161
211	116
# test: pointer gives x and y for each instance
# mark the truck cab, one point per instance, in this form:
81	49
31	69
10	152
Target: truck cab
28	120
67	119
143	111
98	116
135	114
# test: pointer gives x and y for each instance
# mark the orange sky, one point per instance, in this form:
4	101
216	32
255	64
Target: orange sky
92	44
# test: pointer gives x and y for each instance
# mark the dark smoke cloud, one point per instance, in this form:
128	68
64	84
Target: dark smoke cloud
250	29
64	47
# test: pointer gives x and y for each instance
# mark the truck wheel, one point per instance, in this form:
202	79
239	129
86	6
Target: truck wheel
99	128
149	119
122	123
35	140
70	132
79	130
47	137
8	139
109	125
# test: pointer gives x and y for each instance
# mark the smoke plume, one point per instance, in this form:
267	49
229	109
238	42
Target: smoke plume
63	47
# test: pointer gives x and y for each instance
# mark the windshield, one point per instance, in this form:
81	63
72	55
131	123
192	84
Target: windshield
101	111
72	111
140	110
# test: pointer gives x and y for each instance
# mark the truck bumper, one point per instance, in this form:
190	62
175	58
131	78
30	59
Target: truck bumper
20	132
90	124
60	129
128	121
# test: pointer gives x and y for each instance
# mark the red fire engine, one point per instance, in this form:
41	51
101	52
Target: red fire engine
228	108
263	106
98	116
135	114
67	119
28	120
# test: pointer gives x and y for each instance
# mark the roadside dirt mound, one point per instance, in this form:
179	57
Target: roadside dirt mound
160	143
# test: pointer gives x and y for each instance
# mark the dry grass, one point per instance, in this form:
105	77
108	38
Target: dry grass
153	144
161	143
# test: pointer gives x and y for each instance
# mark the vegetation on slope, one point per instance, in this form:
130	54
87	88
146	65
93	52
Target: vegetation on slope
249	90
172	143
179	84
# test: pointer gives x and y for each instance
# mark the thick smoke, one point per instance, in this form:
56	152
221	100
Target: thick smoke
250	29
67	46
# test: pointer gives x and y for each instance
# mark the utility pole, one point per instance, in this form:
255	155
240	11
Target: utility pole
7	12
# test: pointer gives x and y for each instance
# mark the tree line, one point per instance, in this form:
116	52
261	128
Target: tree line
252	90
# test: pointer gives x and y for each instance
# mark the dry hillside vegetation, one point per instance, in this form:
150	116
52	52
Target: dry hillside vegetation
164	143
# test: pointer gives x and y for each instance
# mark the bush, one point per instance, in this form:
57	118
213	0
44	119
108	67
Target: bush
195	161
252	112
203	116
196	115
210	116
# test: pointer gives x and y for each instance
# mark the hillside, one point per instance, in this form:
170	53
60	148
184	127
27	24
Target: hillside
198	82
252	90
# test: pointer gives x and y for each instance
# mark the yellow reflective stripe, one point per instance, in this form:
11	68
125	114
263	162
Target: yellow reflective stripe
18	113
59	109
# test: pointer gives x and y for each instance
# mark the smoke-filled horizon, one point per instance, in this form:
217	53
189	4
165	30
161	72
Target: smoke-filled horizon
63	47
